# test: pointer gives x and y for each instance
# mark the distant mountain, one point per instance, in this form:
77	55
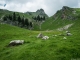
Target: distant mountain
34	18
66	13
40	12
61	18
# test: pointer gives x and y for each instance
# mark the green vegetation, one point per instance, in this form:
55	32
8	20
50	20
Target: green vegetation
58	20
19	19
54	48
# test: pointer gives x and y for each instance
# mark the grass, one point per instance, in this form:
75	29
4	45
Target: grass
51	24
55	48
55	21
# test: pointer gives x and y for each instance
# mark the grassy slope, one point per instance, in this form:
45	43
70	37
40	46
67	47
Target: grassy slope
26	15
55	48
52	24
6	12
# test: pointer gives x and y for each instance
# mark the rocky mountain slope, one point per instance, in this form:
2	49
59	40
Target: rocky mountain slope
20	18
61	18
40	12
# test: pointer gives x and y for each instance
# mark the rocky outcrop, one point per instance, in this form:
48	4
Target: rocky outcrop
66	13
39	12
65	27
16	42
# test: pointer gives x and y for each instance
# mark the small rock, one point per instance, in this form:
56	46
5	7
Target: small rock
45	37
68	33
64	38
55	35
16	42
40	35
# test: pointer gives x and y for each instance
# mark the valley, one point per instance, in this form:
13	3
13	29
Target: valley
54	48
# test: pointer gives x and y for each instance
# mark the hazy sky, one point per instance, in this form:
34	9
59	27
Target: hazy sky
50	6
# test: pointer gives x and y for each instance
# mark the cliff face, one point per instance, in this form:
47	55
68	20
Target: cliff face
40	12
65	13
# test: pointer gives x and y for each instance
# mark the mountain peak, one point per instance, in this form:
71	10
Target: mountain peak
65	13
65	7
40	11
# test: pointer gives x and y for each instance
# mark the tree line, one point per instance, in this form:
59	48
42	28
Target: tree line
39	18
20	21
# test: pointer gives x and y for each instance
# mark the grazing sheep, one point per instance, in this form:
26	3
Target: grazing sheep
45	37
40	35
16	42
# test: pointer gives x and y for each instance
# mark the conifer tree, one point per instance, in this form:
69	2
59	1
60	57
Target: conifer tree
27	22
38	18
14	16
23	22
19	19
5	18
44	18
10	17
30	24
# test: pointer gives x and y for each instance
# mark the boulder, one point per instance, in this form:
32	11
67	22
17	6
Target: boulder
64	38
54	35
45	37
40	35
16	42
68	33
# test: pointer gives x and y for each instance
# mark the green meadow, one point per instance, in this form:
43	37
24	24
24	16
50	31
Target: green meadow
55	48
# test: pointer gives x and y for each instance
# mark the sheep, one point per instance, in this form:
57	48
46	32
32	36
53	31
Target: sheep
16	42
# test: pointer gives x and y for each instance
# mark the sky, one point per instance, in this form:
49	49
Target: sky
50	6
